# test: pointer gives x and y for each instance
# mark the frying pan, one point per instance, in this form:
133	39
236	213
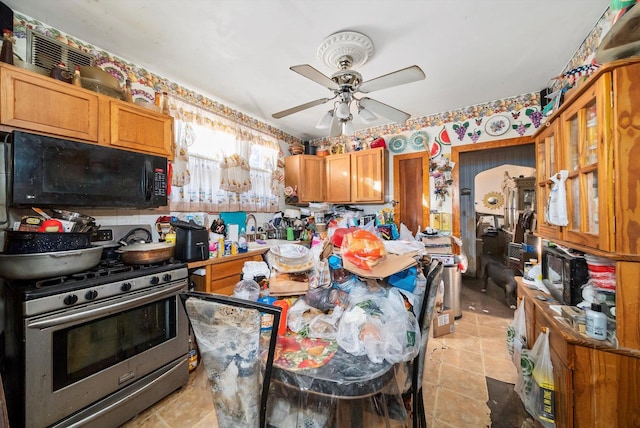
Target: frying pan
146	253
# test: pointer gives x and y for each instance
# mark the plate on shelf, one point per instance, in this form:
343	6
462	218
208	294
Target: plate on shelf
398	144
497	125
419	140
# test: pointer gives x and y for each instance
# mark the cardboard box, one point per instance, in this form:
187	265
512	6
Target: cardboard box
443	323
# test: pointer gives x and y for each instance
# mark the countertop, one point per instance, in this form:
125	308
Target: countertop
254	249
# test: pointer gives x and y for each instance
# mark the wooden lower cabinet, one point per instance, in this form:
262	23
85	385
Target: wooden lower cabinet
222	274
595	384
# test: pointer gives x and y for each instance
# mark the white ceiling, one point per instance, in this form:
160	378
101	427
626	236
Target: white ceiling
239	52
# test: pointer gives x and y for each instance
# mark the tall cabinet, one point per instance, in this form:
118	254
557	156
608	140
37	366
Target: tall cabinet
595	137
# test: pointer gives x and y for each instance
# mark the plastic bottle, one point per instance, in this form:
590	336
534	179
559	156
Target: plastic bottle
243	246
596	322
220	246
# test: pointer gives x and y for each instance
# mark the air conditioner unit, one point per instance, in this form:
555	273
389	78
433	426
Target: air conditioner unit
45	52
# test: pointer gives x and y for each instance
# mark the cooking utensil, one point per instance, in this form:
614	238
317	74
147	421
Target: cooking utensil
146	253
22	242
99	75
42	213
82	223
50	264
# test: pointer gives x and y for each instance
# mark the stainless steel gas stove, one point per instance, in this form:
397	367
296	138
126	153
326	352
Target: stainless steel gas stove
95	347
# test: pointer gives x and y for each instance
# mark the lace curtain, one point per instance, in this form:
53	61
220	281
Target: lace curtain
222	166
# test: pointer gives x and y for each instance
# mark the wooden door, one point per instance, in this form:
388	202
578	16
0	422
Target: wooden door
338	185
411	190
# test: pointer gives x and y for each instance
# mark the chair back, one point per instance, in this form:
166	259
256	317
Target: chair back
433	272
227	331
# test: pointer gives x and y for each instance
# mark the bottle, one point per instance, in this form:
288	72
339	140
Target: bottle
157	100
596	322
76	76
243	247
220	246
128	96
165	103
6	54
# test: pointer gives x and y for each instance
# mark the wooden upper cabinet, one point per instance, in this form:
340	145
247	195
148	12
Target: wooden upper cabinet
32	102
140	129
338	182
38	103
306	174
368	174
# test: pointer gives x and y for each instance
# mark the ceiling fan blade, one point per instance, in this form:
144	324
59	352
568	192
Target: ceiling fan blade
336	127
301	107
385	110
311	73
400	77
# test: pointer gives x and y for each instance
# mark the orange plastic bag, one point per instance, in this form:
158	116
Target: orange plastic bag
363	249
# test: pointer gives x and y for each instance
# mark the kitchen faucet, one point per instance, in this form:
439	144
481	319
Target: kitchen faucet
251	233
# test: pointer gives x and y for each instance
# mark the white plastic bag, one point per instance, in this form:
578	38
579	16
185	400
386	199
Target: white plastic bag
517	334
557	206
378	325
542	400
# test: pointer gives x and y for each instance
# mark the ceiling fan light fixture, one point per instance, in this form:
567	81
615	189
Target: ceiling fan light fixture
343	111
347	128
366	115
325	121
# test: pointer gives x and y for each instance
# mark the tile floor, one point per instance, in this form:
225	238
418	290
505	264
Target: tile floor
454	384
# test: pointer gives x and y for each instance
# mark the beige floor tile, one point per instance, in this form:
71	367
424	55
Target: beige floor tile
467	325
470	361
457	410
500	369
463	341
496	348
464	382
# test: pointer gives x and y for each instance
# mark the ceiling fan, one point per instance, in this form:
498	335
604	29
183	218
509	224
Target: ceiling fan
344	51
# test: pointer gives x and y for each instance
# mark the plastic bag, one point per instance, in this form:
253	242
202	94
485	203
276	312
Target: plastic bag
310	322
557	208
378	325
517	334
542	400
363	249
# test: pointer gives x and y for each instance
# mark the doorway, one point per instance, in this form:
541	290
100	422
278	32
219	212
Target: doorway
411	190
470	160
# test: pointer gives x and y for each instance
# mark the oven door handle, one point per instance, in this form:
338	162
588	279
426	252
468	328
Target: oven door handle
106	310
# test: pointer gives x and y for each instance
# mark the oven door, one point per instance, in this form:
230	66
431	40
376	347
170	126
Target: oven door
76	357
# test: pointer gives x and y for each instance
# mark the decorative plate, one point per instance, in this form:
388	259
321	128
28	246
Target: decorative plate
497	125
419	140
398	144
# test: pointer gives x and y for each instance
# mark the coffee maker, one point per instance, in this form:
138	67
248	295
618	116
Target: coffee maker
192	241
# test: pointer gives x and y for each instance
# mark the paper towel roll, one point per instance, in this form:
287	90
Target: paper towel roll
232	232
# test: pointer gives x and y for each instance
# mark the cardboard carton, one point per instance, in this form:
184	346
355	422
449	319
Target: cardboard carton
443	323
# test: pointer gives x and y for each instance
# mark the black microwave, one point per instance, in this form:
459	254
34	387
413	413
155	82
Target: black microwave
564	274
48	171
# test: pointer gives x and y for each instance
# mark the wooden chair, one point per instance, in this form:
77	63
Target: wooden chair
227	331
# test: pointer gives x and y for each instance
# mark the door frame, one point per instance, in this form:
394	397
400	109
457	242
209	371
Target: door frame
455	176
426	189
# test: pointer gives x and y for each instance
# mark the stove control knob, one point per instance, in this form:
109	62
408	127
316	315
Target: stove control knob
70	299
126	286
91	294
166	277
154	280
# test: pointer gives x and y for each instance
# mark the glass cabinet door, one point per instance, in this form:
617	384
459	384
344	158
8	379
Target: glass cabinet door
546	165
584	131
